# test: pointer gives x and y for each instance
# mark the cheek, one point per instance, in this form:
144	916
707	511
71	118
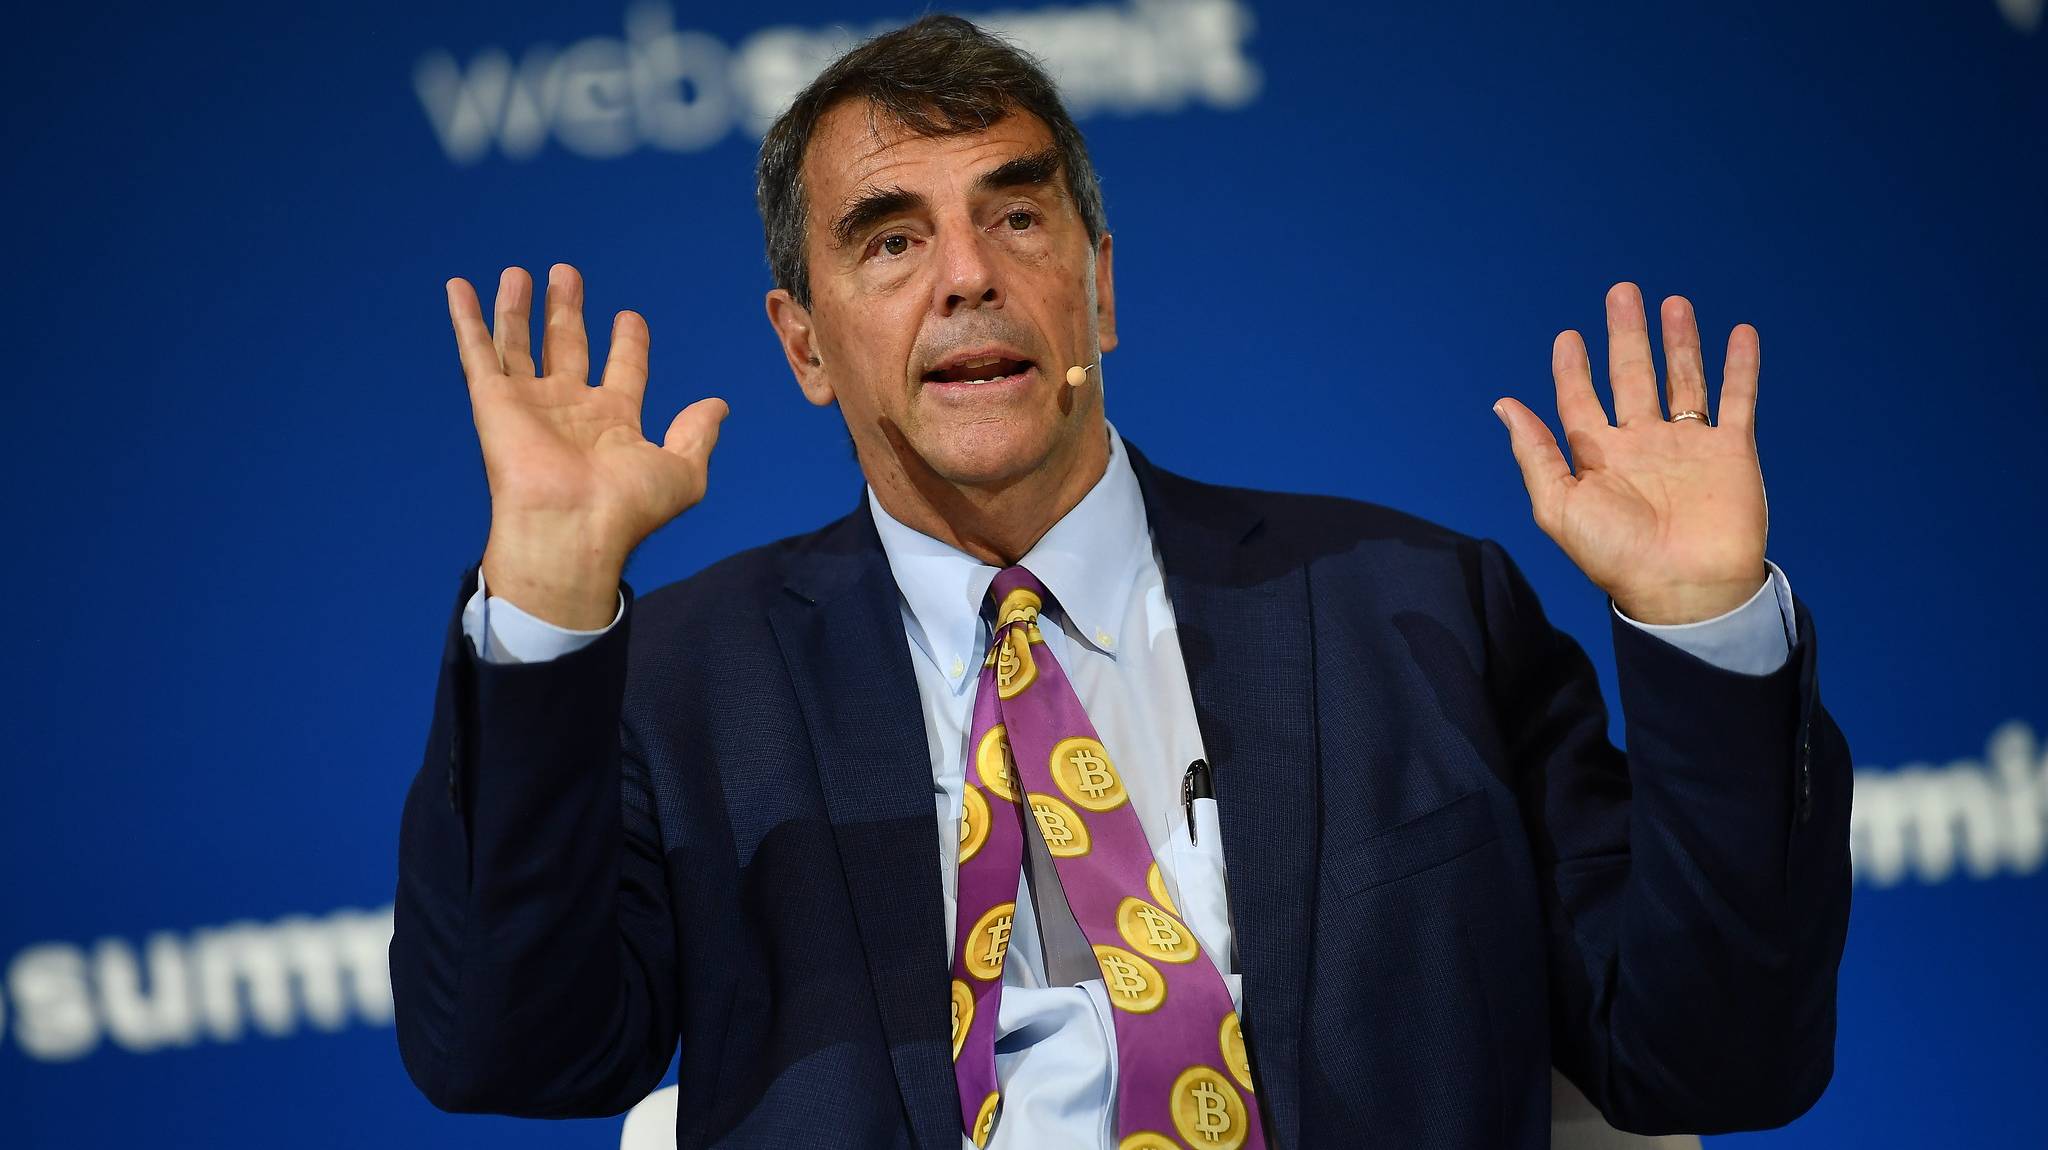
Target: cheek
1035	251
870	351
885	278
1058	271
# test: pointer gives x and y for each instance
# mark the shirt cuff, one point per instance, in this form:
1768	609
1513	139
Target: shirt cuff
502	633
1753	639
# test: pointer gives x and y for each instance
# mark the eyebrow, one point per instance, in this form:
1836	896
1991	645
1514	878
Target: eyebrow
874	205
869	208
1035	170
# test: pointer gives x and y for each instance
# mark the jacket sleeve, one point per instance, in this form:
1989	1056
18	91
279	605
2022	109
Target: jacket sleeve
532	961
1696	888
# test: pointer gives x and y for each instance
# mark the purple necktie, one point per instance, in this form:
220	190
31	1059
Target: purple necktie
1183	1077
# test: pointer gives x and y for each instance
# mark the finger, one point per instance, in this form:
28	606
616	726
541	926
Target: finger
1630	371
472	338
564	348
511	323
625	364
1544	471
1684	374
1738	380
694	431
1578	405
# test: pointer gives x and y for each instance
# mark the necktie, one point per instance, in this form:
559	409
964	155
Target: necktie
1183	1077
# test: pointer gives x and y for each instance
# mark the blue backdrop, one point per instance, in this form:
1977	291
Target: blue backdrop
241	482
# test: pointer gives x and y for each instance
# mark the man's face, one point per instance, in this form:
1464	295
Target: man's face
952	286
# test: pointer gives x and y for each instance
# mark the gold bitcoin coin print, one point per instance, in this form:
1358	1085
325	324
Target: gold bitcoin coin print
963	1015
985	1122
993	763
1235	1056
1015	668
1207	1110
1065	835
1133	984
1155	885
988	943
973	822
1154	933
1020	605
1147	1140
1082	769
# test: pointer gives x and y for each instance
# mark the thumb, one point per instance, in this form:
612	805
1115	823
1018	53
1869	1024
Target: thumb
694	431
1544	470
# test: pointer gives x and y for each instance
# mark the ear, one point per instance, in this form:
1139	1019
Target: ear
1105	296
792	323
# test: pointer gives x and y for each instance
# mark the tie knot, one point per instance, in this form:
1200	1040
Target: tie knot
1018	596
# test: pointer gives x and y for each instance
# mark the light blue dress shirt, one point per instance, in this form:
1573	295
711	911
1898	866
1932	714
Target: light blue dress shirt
1116	638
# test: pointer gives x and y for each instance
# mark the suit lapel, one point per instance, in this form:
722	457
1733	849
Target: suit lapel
1243	616
841	633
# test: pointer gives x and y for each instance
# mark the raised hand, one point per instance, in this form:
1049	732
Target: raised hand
1667	516
574	484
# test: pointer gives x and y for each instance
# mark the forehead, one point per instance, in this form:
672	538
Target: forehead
856	146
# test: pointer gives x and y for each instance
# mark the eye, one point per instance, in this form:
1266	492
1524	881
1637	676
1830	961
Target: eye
895	245
1019	220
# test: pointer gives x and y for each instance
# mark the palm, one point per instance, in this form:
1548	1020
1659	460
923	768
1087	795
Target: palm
555	446
554	443
1666	515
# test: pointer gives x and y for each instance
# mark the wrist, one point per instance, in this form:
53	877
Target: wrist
1690	602
565	576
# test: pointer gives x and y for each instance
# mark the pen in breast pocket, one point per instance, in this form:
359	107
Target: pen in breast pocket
1194	785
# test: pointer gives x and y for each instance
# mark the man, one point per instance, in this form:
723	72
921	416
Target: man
1326	845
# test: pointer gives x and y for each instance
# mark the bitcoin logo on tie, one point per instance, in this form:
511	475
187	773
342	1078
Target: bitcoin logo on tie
973	822
1065	835
1015	669
963	1015
1207	1110
985	1121
1082	769
985	945
998	941
1133	984
1212	1118
993	762
1231	1039
1154	933
1160	933
1147	1140
1020	605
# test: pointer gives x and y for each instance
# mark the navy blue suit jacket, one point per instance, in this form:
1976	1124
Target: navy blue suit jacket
715	824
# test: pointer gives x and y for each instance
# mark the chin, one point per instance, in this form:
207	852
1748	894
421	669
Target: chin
988	452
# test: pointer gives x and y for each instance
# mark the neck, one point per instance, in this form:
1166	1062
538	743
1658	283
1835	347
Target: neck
997	523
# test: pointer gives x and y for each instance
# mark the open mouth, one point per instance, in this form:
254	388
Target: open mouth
978	369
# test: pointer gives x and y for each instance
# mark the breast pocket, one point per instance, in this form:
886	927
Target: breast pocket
1427	840
1200	883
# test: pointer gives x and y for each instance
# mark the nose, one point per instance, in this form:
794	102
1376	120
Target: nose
967	270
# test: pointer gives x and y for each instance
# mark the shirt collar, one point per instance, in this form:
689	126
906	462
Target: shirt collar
1089	560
